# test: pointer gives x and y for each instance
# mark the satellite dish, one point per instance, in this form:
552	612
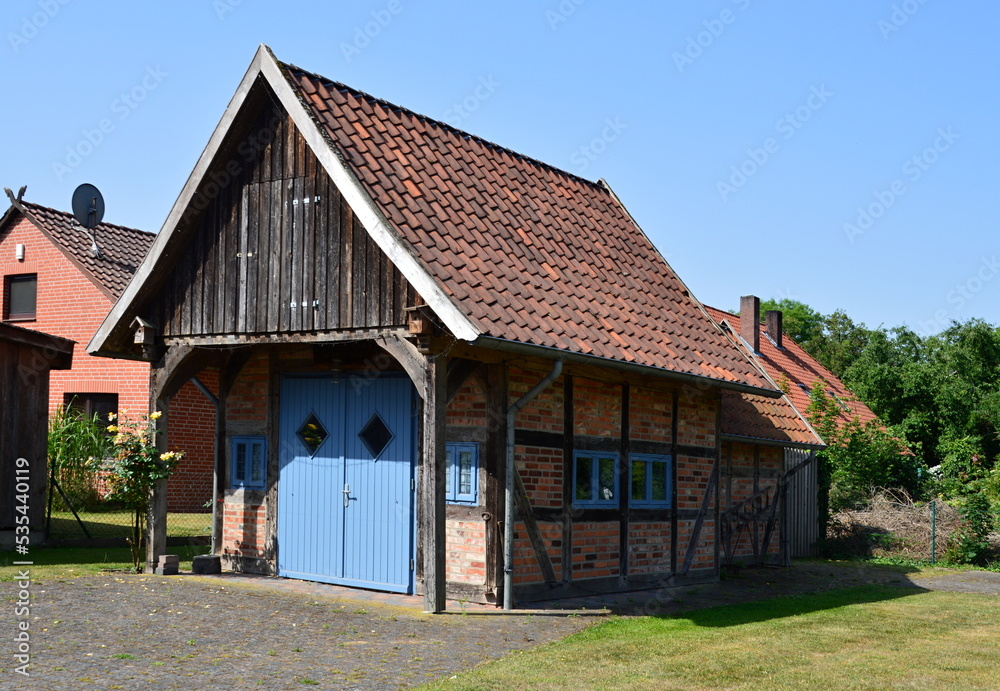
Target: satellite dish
88	206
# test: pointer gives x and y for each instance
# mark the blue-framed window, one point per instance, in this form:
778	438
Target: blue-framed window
650	480
462	478
595	479
249	462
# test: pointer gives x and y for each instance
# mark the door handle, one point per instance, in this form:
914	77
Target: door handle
347	495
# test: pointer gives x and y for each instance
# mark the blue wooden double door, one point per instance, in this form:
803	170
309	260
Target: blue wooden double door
345	484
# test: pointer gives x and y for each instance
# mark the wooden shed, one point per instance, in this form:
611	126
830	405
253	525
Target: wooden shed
26	358
443	367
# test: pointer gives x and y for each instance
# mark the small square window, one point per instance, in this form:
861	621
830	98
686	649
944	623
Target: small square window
20	297
462	476
650	481
249	462
595	479
93	405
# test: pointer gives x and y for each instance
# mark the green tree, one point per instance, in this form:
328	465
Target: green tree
860	457
799	320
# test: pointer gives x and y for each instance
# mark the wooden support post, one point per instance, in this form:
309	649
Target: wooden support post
156	518
496	474
431	525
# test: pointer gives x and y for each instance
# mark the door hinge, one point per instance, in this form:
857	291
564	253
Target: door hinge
413	483
412	566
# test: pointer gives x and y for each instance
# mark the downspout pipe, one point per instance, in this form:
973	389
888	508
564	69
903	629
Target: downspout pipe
214	400
508	517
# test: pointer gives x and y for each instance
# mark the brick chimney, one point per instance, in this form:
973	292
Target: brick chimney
773	319
749	320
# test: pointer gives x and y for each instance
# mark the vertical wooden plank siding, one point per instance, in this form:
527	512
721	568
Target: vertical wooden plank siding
275	234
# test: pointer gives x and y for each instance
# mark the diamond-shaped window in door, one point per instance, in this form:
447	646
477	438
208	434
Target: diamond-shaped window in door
375	435
312	433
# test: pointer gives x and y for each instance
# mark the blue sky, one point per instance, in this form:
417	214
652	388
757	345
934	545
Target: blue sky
842	154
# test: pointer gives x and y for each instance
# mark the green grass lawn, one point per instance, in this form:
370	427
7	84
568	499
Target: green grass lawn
868	637
67	562
118	524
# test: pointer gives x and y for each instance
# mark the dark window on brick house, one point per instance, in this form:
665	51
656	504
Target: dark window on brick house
19	297
91	404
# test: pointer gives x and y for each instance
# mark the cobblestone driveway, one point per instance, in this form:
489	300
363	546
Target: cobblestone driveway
146	632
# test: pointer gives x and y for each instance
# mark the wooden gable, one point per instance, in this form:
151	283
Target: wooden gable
270	246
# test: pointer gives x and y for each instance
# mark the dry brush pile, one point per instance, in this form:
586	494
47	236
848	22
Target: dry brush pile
892	525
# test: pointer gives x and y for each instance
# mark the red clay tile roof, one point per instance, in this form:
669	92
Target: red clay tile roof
768	419
122	249
528	252
800	369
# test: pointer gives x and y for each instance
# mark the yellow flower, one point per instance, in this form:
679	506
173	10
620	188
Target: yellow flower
120	438
168	456
111	417
112	428
155	415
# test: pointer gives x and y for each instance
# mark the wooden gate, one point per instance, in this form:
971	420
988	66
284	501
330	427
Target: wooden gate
345	484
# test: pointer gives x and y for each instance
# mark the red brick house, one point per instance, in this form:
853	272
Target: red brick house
443	367
55	283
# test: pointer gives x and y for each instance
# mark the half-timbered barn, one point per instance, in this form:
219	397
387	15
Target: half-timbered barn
443	367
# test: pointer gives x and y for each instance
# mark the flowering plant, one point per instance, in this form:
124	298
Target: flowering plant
133	468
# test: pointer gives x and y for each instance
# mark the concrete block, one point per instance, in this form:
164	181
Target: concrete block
206	564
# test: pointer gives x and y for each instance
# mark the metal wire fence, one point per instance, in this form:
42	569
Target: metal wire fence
72	515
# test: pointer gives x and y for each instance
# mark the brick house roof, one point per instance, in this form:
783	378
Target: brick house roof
529	253
122	249
801	371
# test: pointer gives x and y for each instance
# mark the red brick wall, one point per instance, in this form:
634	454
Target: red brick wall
597	410
650	414
465	538
466	546
696	416
737	485
243	528
545	412
526	568
247	400
595	549
649	548
192	430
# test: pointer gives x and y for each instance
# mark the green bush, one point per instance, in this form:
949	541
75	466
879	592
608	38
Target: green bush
74	439
970	544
